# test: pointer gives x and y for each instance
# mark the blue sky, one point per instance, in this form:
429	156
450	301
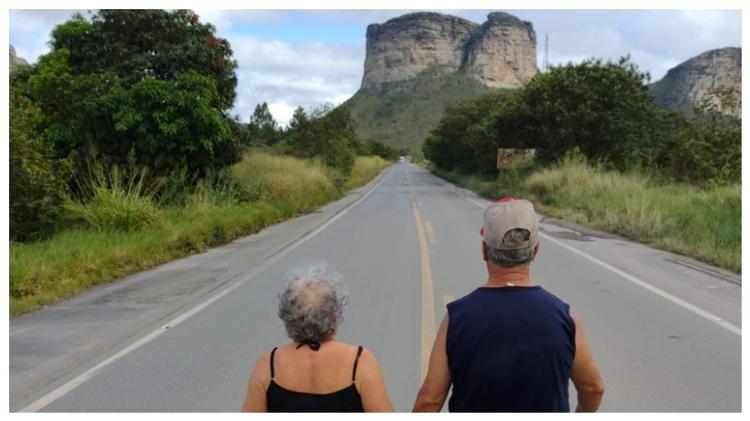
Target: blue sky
311	57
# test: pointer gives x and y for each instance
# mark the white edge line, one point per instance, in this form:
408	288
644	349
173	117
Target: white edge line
90	373
680	302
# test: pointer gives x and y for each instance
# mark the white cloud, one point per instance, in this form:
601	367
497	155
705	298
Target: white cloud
290	75
281	111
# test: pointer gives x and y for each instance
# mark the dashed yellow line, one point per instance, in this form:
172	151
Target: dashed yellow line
428	305
430	232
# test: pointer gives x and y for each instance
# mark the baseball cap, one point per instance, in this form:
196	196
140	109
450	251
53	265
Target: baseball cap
507	214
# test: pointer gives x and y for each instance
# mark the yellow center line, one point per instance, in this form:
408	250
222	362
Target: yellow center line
428	305
430	232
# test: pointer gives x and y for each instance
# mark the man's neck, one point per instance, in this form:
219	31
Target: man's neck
503	277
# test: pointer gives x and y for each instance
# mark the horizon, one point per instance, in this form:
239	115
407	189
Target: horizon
308	58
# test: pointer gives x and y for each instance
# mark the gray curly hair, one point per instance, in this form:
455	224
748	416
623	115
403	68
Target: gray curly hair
312	304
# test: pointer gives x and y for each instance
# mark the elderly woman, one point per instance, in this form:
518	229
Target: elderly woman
315	372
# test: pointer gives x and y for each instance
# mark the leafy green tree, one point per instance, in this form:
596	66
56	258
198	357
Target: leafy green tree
263	128
704	148
604	109
464	139
153	82
299	120
37	182
328	135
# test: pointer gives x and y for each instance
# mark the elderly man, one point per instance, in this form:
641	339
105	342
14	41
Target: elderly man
510	346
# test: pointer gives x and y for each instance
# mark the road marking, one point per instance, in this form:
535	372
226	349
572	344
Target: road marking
430	231
680	302
428	305
90	373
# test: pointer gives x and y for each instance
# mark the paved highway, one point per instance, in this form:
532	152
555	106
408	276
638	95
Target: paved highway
664	329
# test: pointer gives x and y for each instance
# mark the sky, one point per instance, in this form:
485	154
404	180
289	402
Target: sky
308	58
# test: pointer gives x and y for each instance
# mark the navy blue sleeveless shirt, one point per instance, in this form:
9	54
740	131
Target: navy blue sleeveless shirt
510	349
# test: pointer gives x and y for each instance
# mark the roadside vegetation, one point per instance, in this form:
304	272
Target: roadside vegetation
606	157
117	166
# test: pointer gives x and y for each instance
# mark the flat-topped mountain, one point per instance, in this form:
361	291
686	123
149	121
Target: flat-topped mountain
500	53
687	83
420	63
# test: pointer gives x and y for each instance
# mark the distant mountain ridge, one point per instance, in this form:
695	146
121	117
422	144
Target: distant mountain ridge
683	87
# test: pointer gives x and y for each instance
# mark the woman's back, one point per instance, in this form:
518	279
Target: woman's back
303	380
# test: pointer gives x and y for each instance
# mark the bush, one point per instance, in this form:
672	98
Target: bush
116	201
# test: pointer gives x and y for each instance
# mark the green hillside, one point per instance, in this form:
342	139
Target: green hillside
402	113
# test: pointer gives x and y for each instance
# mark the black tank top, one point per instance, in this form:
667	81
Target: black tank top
284	400
510	349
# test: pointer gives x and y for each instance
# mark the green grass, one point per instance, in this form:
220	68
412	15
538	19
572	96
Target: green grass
275	188
704	223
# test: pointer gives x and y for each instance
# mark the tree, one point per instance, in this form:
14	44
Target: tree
263	127
329	135
462	139
704	148
153	82
299	120
37	182
604	109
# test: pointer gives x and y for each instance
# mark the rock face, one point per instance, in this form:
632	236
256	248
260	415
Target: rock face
500	53
686	84
503	53
15	61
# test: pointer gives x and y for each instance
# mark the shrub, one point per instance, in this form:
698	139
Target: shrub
116	201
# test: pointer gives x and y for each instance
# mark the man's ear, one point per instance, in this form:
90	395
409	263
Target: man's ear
536	250
484	251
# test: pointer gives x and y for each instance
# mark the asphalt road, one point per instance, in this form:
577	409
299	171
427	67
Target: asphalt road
664	329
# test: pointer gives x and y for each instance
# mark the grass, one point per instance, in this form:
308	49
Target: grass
703	223
365	169
272	189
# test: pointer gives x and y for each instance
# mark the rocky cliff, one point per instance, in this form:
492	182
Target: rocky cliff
15	61
500	53
686	84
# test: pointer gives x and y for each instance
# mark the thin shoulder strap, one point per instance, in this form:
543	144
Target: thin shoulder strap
273	374
356	361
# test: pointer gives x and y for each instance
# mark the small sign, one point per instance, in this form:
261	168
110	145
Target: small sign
512	158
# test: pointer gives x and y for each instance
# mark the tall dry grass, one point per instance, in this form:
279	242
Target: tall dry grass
704	223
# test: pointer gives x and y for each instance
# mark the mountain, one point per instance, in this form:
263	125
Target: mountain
687	83
420	63
14	60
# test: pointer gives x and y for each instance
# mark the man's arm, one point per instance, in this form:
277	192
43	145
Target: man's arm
436	384
585	374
